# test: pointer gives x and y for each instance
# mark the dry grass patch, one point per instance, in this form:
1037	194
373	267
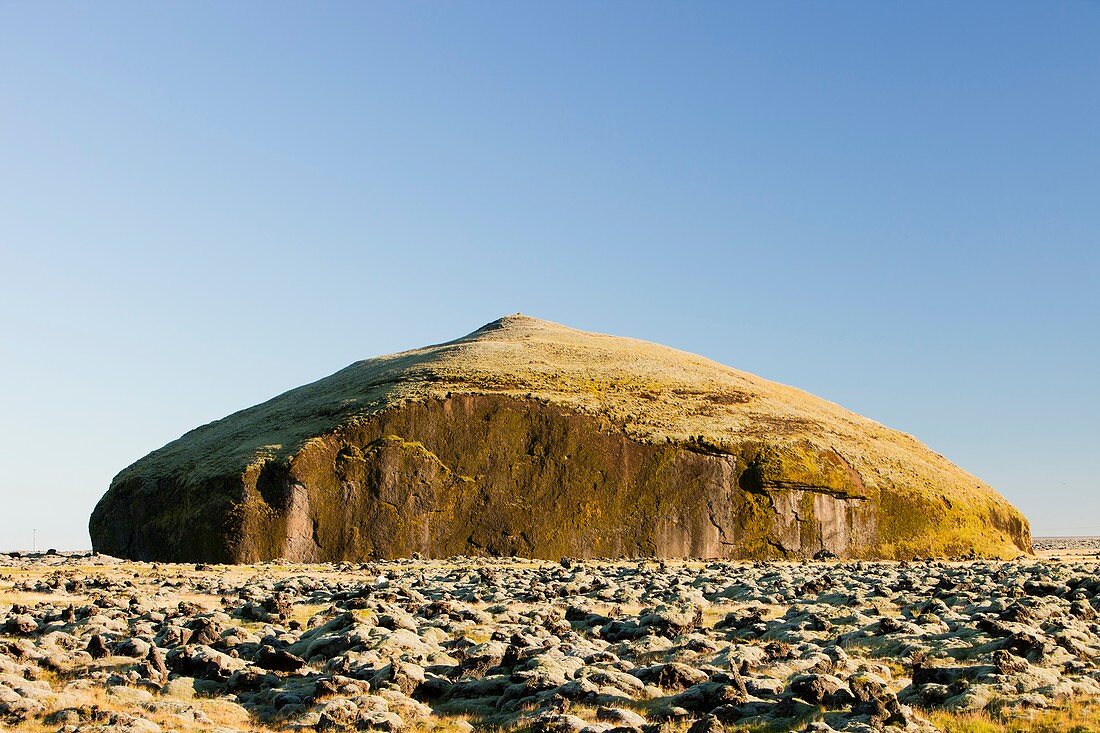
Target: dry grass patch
1080	716
303	612
9	597
478	635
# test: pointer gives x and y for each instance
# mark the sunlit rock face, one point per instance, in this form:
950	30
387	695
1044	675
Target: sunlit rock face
529	438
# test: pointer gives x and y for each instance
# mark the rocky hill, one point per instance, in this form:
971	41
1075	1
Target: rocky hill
529	438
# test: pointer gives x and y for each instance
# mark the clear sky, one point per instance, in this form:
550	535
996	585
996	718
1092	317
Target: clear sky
894	206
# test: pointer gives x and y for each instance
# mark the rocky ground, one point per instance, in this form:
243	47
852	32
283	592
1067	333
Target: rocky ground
89	643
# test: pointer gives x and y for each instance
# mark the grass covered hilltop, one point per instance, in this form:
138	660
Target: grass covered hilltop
530	438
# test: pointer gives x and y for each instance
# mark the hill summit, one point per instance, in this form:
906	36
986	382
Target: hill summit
530	438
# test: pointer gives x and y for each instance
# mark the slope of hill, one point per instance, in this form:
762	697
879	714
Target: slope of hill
526	437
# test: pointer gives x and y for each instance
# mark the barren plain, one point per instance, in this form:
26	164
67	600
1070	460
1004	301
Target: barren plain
91	643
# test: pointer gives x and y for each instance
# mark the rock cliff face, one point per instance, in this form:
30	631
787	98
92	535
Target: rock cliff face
528	438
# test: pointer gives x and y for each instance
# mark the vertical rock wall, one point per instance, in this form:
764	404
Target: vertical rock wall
503	476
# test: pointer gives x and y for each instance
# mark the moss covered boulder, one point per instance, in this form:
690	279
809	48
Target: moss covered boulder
529	438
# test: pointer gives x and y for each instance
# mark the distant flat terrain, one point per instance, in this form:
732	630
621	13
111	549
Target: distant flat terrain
1067	547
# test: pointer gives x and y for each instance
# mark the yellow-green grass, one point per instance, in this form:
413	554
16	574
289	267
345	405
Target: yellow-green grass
1079	716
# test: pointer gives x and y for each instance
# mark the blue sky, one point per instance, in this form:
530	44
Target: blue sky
894	206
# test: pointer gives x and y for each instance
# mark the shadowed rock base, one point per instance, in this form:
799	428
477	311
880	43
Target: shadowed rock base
497	475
